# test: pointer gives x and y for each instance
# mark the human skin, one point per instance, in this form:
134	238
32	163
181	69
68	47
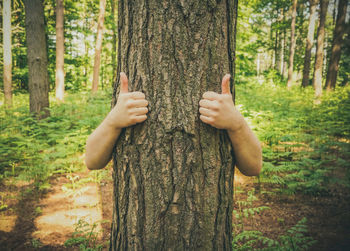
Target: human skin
219	111
215	109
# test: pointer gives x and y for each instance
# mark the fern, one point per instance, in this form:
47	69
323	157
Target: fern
294	239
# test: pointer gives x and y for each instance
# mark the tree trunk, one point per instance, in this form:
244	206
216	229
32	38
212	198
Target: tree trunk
292	45
98	48
283	46
59	50
173	174
335	3
309	43
278	47
338	35
37	58
86	44
114	42
7	53
317	79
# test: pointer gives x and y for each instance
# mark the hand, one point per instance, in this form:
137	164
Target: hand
218	110
131	107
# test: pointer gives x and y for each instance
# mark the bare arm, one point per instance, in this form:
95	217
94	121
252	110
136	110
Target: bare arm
131	108
219	111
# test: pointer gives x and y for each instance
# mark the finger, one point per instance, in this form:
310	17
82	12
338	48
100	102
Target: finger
123	83
206	112
137	103
225	84
141	118
205	103
138	95
206	119
211	95
139	111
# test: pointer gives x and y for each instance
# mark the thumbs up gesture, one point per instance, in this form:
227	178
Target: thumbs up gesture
131	107
218	110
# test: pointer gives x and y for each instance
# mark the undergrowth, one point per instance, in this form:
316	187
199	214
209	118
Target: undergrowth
304	144
34	149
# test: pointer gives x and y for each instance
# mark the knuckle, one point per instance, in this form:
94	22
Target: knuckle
216	106
129	104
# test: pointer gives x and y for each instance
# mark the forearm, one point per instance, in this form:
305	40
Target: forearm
247	150
99	145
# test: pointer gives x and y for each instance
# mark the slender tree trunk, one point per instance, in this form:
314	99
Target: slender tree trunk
98	48
173	174
86	44
37	58
276	56
278	47
59	50
7	53
292	45
337	43
114	42
309	42
283	46
273	59
334	10
317	79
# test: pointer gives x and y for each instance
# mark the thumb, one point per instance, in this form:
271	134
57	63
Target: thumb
124	83
225	84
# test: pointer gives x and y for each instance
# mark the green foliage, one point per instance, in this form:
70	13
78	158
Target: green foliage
294	239
303	143
86	236
246	210
36	149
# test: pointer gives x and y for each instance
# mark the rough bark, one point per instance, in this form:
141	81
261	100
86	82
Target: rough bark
173	174
317	79
37	58
7	77
98	47
337	43
292	45
309	42
114	41
59	50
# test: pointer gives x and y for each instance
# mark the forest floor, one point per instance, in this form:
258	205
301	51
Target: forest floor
45	221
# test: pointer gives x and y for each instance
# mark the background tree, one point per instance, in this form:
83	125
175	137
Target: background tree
173	174
317	79
114	40
37	58
7	74
98	47
292	44
59	50
338	35
309	42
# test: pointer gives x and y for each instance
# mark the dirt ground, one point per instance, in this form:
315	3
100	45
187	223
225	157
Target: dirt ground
44	221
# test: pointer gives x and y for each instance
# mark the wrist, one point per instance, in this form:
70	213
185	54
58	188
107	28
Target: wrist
237	125
110	123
